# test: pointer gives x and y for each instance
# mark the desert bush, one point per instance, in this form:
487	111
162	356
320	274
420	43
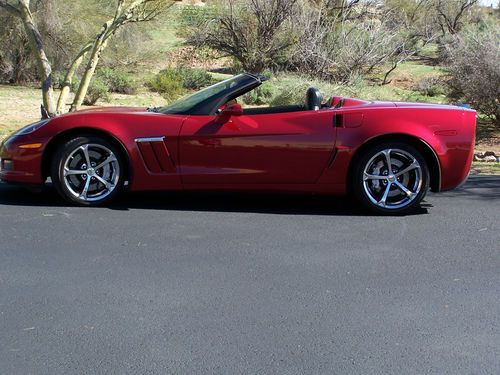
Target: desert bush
430	86
291	89
262	95
257	33
474	71
338	49
195	79
173	82
118	81
98	90
58	79
168	83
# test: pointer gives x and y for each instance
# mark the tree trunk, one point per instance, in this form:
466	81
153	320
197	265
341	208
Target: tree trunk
68	78
43	63
99	46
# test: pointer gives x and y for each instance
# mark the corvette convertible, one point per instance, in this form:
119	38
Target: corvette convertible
385	154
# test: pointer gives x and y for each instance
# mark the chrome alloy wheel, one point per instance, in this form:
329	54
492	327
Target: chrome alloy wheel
392	179
91	172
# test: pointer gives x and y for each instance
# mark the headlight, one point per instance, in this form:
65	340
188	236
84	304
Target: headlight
31	127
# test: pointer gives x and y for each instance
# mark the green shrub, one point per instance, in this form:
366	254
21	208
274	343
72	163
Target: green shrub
168	83
195	79
98	90
58	80
173	82
118	81
260	96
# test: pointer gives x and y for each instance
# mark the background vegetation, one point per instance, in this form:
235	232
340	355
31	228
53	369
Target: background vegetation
444	51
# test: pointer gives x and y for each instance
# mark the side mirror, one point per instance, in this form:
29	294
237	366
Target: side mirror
228	112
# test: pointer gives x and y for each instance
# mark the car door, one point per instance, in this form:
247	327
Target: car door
279	148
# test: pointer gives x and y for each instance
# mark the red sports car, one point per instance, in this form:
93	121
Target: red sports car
387	154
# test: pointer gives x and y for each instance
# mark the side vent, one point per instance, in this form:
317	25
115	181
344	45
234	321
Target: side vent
155	154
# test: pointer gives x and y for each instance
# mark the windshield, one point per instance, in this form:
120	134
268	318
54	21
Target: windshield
188	102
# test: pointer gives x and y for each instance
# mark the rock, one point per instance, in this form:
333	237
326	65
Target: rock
478	156
490	159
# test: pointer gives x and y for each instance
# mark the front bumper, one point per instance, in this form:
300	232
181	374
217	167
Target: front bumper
20	165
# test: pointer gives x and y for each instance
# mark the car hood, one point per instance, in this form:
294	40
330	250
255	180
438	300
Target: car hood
117	109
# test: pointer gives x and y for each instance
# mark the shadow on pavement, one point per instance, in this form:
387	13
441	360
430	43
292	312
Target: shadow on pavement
286	204
477	187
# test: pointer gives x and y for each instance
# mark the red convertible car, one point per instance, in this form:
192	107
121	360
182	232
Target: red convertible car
388	155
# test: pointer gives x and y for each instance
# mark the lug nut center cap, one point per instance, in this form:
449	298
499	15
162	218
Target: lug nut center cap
91	172
392	178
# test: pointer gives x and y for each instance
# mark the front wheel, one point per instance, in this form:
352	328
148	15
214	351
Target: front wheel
391	178
87	171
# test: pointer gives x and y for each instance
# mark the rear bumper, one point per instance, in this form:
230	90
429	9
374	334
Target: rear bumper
457	153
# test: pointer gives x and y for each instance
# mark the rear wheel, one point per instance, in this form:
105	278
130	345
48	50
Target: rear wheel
391	178
88	171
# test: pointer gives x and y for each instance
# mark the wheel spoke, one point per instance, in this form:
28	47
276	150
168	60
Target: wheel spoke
70	172
109	159
382	202
373	177
108	185
405	190
85	191
97	169
413	165
85	150
387	154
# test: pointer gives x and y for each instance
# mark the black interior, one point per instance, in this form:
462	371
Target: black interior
270	110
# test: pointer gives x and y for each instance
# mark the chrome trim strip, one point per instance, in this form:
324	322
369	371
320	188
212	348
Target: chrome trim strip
150	139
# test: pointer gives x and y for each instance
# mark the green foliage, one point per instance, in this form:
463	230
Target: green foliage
195	79
118	81
173	82
260	96
98	90
58	80
168	83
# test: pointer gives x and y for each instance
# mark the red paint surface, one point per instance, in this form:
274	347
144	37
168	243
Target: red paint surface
298	151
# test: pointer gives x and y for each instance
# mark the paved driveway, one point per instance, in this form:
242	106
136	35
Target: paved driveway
249	284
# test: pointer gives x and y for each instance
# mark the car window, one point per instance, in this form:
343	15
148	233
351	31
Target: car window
185	104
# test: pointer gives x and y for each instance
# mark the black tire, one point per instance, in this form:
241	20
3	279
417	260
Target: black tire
72	154
381	190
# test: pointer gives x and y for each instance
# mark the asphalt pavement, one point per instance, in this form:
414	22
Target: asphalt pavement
178	283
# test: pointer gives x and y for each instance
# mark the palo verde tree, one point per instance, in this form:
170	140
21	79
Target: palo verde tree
21	9
125	12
